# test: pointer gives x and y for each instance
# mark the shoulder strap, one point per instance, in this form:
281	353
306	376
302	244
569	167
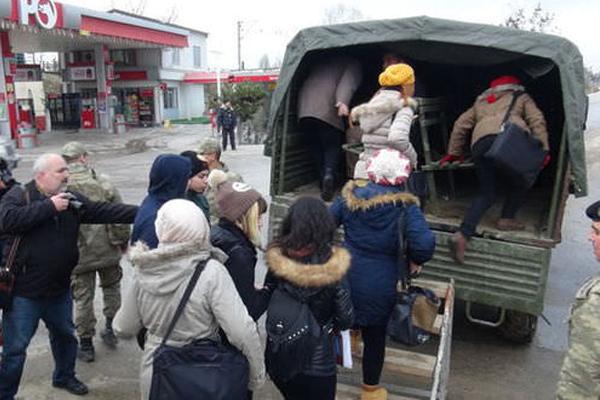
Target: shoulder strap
512	104
12	253
185	298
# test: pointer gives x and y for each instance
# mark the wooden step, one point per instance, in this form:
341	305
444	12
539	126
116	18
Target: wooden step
347	392
407	362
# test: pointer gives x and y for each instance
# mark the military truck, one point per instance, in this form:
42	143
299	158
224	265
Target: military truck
454	62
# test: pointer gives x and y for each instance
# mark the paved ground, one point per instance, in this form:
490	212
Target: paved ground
483	365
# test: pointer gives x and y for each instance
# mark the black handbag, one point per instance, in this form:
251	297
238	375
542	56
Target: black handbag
516	152
416	307
201	370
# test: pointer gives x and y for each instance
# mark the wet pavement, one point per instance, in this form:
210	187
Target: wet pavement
483	365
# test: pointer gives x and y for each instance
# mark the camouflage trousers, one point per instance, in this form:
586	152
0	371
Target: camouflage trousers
84	287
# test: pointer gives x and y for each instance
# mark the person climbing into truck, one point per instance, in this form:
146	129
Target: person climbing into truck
482	123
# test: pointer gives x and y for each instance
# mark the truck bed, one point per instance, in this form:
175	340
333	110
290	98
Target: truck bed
449	213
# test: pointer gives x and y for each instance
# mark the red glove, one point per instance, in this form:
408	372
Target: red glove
546	161
451	158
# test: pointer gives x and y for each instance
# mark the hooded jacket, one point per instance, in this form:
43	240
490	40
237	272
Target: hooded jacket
485	118
160	279
370	215
169	177
320	280
385	121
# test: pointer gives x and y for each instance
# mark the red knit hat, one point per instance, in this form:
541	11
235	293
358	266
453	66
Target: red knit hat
505	80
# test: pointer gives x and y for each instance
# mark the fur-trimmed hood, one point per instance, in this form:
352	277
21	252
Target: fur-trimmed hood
355	202
309	275
161	270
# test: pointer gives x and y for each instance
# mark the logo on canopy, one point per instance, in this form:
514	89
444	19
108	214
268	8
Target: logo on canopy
45	12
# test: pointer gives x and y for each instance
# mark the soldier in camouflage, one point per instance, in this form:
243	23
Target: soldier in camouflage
210	152
580	375
100	250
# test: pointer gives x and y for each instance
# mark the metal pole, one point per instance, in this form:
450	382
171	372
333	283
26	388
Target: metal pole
219	83
239	37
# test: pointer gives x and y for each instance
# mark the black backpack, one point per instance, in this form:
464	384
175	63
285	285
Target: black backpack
292	334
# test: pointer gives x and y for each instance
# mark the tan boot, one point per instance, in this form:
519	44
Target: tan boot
458	247
373	393
506	224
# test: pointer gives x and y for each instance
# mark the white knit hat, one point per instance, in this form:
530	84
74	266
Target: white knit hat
388	167
181	221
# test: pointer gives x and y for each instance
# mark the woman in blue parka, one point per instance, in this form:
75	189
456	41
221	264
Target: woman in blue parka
369	212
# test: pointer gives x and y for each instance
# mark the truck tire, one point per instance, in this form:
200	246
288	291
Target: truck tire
518	327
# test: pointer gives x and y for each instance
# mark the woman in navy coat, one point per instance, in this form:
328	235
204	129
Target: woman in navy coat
369	212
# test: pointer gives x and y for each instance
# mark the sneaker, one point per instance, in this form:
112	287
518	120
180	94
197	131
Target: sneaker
108	337
73	386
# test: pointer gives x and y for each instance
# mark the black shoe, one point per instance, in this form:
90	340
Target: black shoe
73	386
328	187
108	337
85	351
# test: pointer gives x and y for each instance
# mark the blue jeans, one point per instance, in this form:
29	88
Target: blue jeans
18	327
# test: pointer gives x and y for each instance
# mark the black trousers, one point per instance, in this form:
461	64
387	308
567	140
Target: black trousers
307	387
325	145
373	353
492	184
228	132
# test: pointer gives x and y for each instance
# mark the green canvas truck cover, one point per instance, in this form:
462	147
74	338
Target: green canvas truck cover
494	45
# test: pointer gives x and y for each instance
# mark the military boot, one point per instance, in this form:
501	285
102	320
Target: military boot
85	352
108	335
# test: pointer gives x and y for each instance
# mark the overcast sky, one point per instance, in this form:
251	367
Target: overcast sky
268	25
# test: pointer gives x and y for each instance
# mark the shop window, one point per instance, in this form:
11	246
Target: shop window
197	57
123	57
176	57
171	98
83	56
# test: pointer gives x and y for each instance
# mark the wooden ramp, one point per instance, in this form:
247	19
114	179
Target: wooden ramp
419	372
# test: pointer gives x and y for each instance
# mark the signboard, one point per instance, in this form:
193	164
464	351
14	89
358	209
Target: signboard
44	11
28	73
131	75
87	73
3	108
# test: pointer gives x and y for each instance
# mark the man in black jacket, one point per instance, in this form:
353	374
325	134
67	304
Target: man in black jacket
47	221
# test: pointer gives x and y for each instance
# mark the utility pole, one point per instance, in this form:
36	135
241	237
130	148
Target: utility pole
239	40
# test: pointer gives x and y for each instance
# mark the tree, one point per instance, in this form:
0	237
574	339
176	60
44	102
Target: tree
341	13
247	99
538	21
264	62
171	16
592	80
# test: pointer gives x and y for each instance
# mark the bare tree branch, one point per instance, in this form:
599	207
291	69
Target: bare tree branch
341	13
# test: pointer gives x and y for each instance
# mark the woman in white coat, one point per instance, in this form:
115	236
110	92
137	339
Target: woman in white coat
387	117
160	278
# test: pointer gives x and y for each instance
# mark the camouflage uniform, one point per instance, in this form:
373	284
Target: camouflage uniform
99	252
580	375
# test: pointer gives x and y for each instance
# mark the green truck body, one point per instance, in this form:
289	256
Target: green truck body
502	269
